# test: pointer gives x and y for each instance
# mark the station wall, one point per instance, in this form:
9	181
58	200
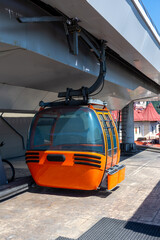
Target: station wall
13	146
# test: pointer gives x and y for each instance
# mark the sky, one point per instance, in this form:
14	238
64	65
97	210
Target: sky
153	8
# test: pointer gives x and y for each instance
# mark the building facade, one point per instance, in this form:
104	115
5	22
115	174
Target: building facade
146	122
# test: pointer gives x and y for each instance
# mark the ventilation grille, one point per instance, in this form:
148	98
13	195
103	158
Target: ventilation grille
32	157
87	160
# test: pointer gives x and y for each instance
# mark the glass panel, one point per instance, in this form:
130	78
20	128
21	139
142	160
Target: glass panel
43	129
67	129
109	159
113	133
107	133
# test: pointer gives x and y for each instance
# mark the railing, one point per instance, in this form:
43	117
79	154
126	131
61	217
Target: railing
147	19
142	4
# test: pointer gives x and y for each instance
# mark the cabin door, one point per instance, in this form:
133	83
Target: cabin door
111	137
114	137
108	135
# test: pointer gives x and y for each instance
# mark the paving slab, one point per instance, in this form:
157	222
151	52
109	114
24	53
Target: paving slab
47	213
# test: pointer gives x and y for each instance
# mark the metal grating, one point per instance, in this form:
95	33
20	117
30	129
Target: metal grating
113	229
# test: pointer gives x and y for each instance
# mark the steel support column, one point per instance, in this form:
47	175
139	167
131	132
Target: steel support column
128	144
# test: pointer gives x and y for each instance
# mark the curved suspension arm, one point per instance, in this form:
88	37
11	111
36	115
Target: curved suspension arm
102	71
85	91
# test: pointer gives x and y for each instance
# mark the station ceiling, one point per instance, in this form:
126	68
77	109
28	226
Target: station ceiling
36	64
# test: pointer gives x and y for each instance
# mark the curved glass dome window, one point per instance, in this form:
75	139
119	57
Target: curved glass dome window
67	128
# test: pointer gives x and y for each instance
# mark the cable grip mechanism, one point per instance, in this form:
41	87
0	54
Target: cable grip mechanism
84	92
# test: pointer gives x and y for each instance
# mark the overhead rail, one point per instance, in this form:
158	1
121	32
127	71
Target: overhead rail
134	70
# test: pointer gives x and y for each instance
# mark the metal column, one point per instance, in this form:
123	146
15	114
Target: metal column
128	144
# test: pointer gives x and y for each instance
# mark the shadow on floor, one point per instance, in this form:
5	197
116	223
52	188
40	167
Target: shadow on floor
126	155
149	211
69	192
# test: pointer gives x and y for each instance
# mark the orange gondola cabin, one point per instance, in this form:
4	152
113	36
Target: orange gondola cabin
75	147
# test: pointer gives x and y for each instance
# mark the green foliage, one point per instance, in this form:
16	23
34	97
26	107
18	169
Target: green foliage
156	105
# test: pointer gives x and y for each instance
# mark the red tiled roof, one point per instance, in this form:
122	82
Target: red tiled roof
138	115
149	114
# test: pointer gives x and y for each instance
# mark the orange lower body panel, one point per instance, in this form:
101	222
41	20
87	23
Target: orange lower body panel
83	172
112	180
116	175
121	174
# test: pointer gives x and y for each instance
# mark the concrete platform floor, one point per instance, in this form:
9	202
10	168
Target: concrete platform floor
46	213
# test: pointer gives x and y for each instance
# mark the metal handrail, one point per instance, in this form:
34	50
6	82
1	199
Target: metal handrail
143	12
148	15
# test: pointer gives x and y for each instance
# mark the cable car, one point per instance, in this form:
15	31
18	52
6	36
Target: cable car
74	143
75	147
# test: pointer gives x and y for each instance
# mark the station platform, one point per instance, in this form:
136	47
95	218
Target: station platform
47	213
